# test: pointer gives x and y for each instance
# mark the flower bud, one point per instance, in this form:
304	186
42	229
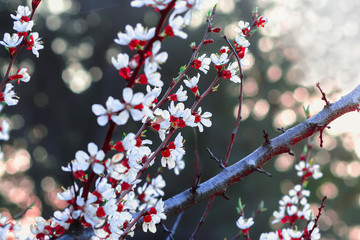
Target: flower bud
216	30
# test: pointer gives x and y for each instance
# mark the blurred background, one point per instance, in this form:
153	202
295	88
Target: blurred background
304	42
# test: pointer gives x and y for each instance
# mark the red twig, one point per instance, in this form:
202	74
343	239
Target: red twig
202	220
133	222
238	118
323	95
307	235
164	13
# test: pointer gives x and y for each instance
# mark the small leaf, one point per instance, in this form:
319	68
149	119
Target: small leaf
262	207
214	89
307	111
253	31
311	162
182	68
143	133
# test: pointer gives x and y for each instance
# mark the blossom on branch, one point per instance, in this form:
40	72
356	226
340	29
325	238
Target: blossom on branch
202	63
9	96
135	37
153	217
11	42
104	115
219	60
243	28
192	83
21	75
157	4
22	14
34	43
155	59
244	224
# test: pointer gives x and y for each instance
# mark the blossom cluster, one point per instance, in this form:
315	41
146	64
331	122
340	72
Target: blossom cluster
109	193
23	37
293	207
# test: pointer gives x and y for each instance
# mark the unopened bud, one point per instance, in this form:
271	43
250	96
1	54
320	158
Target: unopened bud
216	30
208	41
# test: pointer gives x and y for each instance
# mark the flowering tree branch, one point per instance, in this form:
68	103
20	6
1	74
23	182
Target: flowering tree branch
218	184
281	144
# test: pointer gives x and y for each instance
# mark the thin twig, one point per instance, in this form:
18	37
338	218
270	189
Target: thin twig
323	95
266	137
317	218
197	158
212	156
238	118
260	170
202	220
176	224
133	222
196	183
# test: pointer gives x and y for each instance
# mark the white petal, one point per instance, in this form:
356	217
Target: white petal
123	117
116	119
137	115
206	122
127	94
102	120
81	156
137	98
98	168
100	155
92	148
98	109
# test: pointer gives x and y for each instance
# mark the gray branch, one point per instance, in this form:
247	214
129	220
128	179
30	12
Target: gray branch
254	161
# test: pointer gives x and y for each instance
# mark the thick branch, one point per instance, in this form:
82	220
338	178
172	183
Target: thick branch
281	144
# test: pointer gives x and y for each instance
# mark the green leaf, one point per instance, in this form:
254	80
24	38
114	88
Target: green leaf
214	89
240	206
307	111
261	207
182	68
143	133
253	31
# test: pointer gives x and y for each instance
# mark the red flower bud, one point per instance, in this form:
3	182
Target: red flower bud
208	41
216	30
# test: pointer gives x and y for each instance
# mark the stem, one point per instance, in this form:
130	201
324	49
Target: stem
173	229
238	118
202	220
197	158
13	57
105	148
133	222
147	163
149	45
209	90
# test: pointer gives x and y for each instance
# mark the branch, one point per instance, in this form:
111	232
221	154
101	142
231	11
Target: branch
254	161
